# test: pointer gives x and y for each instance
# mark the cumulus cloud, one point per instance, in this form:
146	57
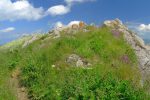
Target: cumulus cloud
22	9
70	2
144	27
73	22
9	29
61	9
19	10
58	10
143	30
58	24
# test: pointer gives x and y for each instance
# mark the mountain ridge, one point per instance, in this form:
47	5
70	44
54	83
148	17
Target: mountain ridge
141	49
85	62
132	38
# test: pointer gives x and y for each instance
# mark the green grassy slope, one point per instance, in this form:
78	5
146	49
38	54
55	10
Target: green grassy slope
112	76
8	60
19	42
6	92
15	43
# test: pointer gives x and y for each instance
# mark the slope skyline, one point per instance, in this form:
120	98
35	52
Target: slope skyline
20	17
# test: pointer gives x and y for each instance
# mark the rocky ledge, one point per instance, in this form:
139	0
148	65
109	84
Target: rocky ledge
142	51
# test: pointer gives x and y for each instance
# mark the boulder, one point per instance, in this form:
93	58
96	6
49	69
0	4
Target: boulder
77	61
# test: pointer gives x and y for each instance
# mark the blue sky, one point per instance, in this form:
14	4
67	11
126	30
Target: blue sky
19	17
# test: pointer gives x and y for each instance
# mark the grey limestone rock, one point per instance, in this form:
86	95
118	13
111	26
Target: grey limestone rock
77	61
142	51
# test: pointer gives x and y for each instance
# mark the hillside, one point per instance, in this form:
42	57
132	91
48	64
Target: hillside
85	63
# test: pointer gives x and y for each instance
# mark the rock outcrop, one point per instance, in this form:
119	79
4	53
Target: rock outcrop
71	28
26	43
142	51
77	61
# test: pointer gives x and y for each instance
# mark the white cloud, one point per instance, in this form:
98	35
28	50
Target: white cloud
144	27
58	10
61	9
70	2
59	24
19	10
77	1
22	9
141	29
9	29
73	22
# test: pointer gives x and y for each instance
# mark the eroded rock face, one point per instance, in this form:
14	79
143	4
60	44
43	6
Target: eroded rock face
142	51
77	61
55	33
26	43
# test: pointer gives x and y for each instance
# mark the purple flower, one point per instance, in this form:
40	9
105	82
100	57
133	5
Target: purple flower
116	33
125	59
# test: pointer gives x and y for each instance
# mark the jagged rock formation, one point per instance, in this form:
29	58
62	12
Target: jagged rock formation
142	51
55	33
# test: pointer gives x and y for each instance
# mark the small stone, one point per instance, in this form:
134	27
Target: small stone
13	75
23	89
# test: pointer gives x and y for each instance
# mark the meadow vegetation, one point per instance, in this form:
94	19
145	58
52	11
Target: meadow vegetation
113	74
